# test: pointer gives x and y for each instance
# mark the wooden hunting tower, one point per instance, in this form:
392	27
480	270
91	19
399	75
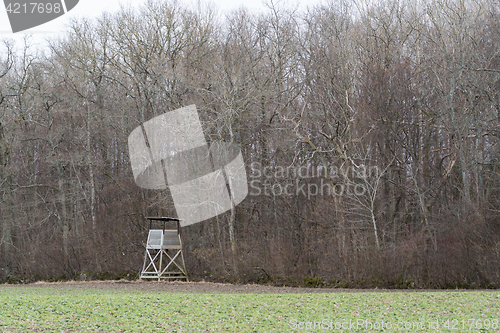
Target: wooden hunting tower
164	258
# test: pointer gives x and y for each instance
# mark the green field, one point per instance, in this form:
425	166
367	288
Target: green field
68	309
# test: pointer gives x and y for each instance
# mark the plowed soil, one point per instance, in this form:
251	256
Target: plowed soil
194	287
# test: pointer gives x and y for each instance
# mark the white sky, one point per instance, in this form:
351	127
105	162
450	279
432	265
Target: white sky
93	8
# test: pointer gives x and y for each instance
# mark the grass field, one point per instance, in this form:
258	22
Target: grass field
68	309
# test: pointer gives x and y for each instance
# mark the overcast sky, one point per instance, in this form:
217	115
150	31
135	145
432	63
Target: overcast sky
93	8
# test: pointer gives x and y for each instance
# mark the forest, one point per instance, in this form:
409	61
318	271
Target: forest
369	130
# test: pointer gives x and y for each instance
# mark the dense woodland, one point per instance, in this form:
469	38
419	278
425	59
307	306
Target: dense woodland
370	134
